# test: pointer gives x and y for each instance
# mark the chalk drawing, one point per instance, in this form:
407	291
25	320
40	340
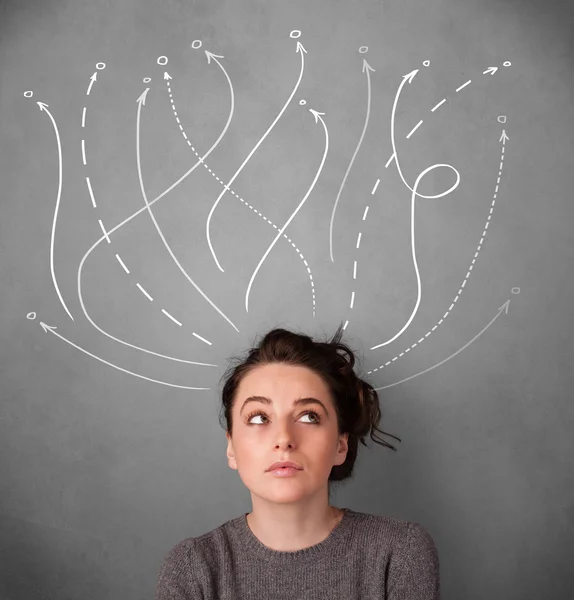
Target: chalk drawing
319	124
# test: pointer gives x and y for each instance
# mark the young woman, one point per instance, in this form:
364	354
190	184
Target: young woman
297	401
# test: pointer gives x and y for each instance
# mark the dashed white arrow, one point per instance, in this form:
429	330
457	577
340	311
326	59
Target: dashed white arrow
503	308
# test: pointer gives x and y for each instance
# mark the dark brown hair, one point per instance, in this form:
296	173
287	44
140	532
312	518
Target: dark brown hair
356	401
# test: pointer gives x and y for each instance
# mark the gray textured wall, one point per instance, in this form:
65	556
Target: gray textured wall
459	303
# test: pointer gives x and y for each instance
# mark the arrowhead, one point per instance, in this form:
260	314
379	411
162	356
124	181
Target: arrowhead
210	55
411	75
491	70
503	137
47	327
94	77
300	48
143	96
505	306
316	114
166	75
42	105
367	66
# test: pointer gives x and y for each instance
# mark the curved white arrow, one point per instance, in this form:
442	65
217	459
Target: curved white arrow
141	100
408	78
301	50
366	69
502	139
93	78
135	214
413	197
44	107
317	115
214	174
184	387
503	308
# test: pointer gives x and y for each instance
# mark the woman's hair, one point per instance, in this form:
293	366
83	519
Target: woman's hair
356	401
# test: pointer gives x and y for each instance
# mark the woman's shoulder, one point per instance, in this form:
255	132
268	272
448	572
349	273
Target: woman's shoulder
405	550
405	533
203	541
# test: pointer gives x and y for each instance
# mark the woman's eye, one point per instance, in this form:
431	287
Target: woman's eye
314	418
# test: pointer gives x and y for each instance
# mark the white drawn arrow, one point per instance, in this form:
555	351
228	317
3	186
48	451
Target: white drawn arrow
408	78
301	50
317	116
141	100
93	78
419	290
246	204
366	69
44	107
184	387
503	308
135	214
503	138
210	55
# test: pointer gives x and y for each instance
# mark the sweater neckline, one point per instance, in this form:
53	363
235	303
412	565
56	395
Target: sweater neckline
331	546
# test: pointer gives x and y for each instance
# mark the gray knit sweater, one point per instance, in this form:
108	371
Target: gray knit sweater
365	557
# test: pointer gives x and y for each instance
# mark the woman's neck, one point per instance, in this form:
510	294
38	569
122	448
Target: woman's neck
289	531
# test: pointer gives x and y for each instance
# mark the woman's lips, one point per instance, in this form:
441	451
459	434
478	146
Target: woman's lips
284	471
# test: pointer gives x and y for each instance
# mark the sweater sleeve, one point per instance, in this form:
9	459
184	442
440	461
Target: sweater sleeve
419	574
176	579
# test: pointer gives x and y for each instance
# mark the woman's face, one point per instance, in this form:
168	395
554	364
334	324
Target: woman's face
282	430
